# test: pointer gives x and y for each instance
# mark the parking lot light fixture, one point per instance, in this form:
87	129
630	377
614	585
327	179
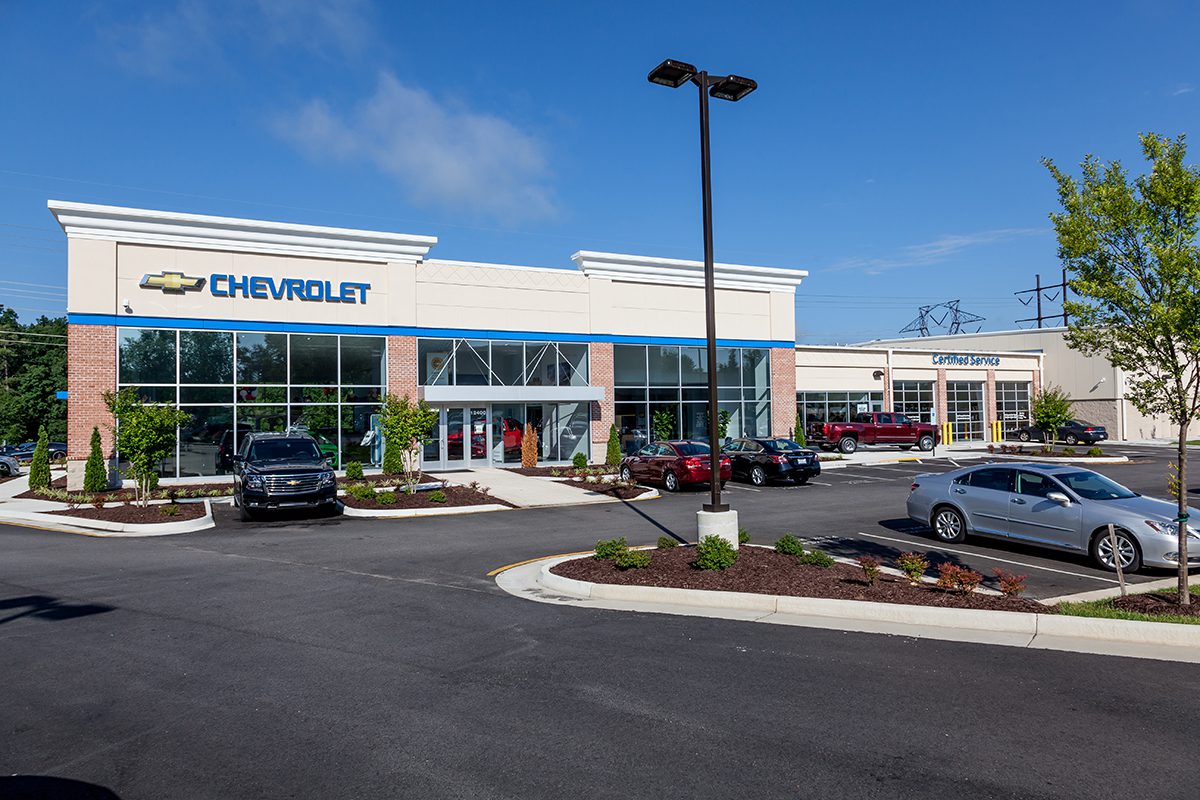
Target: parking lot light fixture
716	517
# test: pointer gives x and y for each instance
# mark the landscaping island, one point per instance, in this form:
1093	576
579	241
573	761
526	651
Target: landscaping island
154	514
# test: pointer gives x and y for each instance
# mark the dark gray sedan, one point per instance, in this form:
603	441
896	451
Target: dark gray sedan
1058	506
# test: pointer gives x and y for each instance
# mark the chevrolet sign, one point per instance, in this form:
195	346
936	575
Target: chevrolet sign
258	287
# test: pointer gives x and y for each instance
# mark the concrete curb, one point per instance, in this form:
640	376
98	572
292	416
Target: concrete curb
100	527
402	513
1157	640
924	458
1032	459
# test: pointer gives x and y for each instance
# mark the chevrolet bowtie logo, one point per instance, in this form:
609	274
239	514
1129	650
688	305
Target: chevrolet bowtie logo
173	282
293	483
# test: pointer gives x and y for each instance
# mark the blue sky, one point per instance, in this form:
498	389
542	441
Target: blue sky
892	149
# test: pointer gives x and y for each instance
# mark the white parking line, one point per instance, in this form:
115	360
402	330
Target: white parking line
818	483
993	558
841	473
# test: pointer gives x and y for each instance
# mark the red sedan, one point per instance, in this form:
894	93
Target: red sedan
673	464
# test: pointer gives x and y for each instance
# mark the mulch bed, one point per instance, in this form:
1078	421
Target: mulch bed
386	480
764	571
562	472
121	495
136	514
619	491
1023	453
455	496
1156	605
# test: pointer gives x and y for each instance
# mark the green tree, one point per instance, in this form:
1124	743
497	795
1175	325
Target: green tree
33	366
95	473
1131	249
145	434
798	436
613	455
406	427
39	468
1051	409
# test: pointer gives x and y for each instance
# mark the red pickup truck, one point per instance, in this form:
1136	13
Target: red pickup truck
879	427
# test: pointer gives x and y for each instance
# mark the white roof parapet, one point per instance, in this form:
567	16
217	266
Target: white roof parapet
644	269
143	226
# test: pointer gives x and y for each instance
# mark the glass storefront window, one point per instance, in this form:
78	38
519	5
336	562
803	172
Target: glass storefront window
314	359
914	399
572	364
1012	405
146	356
434	362
693	366
821	407
262	357
205	357
363	360
471	364
629	365
508	363
664	365
206	441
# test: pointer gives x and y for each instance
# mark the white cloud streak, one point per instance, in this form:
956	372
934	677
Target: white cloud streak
1183	88
936	251
441	153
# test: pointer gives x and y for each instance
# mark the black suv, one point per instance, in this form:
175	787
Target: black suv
282	470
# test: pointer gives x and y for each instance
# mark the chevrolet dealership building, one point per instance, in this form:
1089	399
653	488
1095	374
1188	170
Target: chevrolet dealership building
263	326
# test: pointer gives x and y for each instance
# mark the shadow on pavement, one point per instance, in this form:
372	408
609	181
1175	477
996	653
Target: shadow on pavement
48	608
41	787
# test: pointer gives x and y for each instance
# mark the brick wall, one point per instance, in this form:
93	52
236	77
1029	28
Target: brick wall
943	415
601	374
91	371
990	414
402	366
783	390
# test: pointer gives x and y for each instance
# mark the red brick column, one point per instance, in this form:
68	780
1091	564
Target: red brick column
939	399
888	400
783	390
402	366
600	373
91	371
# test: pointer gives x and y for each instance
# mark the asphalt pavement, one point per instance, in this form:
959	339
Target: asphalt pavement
370	658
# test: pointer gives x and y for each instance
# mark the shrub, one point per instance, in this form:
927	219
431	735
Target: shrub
667	542
386	498
789	545
714	553
608	550
1095	452
39	468
870	568
169	510
632	559
743	536
95	474
437	496
912	565
579	461
612	456
960	579
97	501
1011	584
554	473
354	471
817	558
361	491
1068	451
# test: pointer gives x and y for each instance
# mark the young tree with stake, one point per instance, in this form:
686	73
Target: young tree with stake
1131	249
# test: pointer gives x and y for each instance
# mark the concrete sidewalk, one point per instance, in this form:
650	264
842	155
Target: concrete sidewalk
522	490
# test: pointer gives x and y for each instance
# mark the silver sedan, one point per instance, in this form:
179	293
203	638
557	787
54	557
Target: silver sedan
9	466
1058	506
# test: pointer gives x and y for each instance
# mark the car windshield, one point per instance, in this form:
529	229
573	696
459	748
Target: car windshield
691	449
782	445
285	450
1092	486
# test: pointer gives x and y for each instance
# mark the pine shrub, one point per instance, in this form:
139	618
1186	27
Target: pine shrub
609	549
354	471
743	536
667	542
579	461
385	498
95	473
612	456
714	553
789	545
39	468
816	558
632	559
437	496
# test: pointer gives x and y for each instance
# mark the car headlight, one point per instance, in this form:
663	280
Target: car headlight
326	479
254	481
1170	528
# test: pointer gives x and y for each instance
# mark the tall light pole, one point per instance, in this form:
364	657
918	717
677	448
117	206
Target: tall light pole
733	88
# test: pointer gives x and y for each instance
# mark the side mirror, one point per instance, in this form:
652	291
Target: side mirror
237	458
1058	497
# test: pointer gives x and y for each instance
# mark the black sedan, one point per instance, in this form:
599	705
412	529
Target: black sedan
761	460
1074	432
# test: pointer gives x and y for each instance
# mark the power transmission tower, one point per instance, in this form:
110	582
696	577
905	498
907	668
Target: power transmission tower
1038	293
944	317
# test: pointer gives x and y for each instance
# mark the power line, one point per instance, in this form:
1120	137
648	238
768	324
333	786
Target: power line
4	332
39	285
40	344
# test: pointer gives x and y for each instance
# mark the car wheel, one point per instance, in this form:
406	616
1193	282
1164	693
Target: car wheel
803	479
246	514
848	444
626	475
4	471
1102	551
670	482
757	476
722	485
58	457
949	525
1071	439
925	444
1023	436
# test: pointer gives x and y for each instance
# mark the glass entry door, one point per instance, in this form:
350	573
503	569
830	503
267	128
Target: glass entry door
461	439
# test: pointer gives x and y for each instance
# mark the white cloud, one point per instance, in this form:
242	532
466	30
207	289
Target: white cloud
933	252
172	40
1183	88
441	153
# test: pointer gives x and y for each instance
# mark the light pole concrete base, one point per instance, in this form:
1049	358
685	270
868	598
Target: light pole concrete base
718	523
